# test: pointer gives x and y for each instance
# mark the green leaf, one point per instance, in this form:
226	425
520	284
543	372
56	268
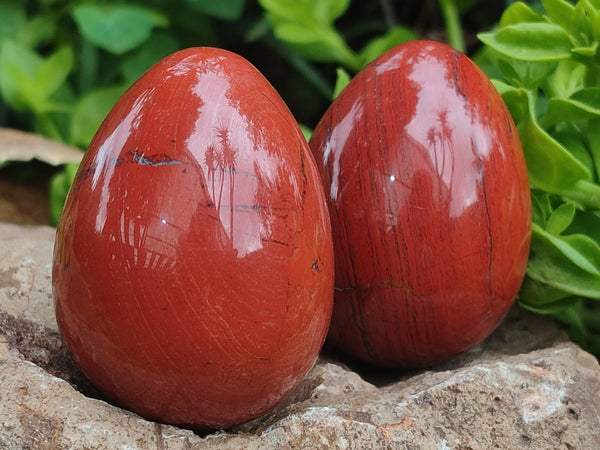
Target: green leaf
571	313
27	81
553	306
38	30
575	328
378	46
59	188
283	11
586	222
325	11
18	69
596	29
527	74
149	53
343	78
88	63
584	192
581	250
530	41
551	167
516	99
307	27
223	9
54	71
504	88
574	142
116	28
582	23
561	218
541	207
560	110
586	50
322	12
306	131
330	10
593	141
13	16
539	296
318	44
549	264
486	59
584	252
590	97
89	113
560	12
519	12
568	77
294	33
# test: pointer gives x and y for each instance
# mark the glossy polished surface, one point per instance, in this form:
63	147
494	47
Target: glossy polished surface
429	203
193	267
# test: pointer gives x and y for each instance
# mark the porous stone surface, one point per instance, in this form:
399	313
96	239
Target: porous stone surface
526	386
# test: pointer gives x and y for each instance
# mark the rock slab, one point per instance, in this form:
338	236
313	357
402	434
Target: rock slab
526	386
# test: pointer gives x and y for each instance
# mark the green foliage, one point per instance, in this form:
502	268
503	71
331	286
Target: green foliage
64	63
450	9
89	111
28	81
343	78
394	36
549	67
307	26
116	28
222	9
59	187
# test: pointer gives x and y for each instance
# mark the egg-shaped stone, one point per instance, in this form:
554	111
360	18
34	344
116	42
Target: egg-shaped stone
429	201
193	265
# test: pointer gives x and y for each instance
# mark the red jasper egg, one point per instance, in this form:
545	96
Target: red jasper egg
430	207
193	265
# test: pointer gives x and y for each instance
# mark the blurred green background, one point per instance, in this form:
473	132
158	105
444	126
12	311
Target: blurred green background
64	63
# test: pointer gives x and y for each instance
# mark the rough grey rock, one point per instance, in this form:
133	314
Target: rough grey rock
526	386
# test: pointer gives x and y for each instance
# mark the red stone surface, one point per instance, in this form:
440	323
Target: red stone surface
193	267
429	203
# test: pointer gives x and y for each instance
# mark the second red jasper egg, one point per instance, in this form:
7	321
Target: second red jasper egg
430	207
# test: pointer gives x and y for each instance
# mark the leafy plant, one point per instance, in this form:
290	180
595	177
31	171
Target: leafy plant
549	75
307	27
64	63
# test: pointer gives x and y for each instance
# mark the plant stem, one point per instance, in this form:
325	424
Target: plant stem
452	21
302	66
388	13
